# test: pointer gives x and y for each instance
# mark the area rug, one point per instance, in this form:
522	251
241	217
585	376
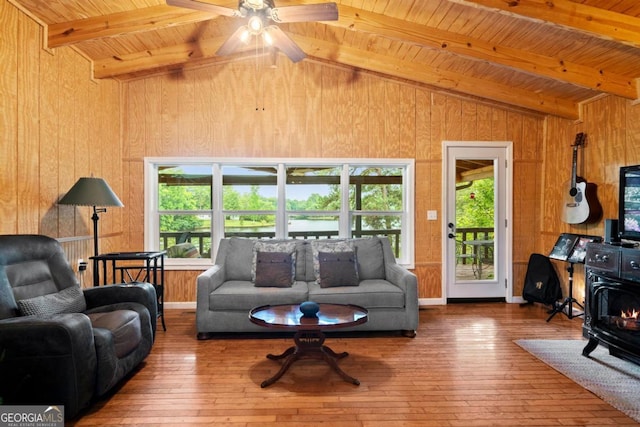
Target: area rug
614	380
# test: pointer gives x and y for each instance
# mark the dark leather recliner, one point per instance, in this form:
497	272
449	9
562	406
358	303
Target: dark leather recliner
60	344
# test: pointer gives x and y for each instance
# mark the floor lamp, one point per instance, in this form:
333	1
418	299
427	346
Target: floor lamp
92	192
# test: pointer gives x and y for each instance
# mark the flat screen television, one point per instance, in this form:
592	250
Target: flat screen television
629	203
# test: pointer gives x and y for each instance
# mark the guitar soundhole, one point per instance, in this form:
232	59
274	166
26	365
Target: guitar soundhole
573	192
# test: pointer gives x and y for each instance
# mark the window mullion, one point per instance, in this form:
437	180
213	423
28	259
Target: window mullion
281	214
345	214
217	221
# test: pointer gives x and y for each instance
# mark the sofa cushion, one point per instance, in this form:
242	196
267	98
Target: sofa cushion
241	295
274	269
370	258
237	261
370	294
329	245
338	269
68	300
124	326
288	247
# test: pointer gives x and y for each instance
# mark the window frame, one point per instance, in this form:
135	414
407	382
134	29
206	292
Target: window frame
345	215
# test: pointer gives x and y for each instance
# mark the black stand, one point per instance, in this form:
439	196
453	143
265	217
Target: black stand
95	218
568	301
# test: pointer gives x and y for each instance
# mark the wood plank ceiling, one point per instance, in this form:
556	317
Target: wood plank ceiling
545	56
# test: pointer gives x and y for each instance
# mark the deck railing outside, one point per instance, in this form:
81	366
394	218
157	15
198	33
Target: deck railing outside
464	251
202	240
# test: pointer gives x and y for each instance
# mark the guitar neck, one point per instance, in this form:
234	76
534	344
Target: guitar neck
574	167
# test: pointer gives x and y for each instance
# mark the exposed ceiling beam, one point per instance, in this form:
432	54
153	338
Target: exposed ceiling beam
554	68
150	18
597	22
363	21
435	77
173	55
156	58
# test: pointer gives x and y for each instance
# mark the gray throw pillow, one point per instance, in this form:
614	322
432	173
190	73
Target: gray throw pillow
327	246
338	269
268	246
274	269
69	300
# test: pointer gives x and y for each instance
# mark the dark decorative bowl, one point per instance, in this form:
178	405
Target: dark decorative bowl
309	309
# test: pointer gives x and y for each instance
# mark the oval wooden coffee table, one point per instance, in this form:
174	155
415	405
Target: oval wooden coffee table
309	337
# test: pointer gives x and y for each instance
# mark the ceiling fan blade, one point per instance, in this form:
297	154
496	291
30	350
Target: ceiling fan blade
205	7
305	13
232	43
282	41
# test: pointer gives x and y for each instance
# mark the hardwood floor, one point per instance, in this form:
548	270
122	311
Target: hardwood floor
462	369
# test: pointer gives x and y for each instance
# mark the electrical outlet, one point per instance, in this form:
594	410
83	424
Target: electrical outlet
82	265
432	215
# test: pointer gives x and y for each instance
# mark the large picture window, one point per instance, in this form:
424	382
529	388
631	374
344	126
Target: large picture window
190	204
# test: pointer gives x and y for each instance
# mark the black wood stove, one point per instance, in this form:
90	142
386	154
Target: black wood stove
612	309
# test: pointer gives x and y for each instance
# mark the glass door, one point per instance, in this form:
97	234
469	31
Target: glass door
476	225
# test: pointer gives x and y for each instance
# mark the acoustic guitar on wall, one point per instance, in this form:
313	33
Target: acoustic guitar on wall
581	203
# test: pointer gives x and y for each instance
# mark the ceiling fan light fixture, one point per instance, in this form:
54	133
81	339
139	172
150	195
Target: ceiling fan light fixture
267	38
255	25
246	35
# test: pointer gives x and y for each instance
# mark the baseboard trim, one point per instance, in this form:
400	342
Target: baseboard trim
422	302
187	305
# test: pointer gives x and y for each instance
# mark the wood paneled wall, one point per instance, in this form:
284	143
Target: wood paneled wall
612	128
57	125
314	110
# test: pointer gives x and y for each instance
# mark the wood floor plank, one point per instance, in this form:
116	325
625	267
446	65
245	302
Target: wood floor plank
462	369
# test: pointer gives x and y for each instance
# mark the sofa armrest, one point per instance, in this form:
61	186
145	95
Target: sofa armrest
402	278
407	281
208	281
140	292
48	360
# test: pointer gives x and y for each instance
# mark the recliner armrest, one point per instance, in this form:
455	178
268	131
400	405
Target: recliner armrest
48	360
141	292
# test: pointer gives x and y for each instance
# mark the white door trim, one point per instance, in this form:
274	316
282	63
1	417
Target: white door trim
506	261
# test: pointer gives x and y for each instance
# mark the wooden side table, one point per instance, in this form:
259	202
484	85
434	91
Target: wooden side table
135	267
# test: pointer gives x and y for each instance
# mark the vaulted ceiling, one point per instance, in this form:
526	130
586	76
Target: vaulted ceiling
546	56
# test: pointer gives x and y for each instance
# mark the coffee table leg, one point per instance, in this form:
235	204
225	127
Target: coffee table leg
286	353
291	356
309	344
330	357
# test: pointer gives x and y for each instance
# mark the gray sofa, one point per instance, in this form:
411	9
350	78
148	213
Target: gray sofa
227	291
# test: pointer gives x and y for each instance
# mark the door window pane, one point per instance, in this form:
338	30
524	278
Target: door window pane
475	227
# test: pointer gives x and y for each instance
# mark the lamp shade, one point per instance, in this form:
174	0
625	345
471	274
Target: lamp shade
91	192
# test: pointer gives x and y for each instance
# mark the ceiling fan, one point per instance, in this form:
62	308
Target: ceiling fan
258	14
